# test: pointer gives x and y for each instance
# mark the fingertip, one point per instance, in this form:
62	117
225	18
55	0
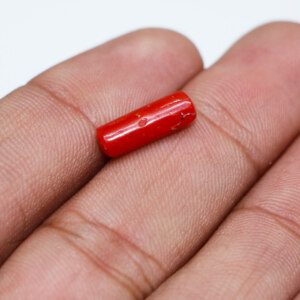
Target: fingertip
172	45
277	27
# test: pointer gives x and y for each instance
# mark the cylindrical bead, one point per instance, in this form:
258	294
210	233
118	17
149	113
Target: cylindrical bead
146	124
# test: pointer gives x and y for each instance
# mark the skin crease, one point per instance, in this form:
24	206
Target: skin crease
144	215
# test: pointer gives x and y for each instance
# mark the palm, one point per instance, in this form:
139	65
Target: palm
138	219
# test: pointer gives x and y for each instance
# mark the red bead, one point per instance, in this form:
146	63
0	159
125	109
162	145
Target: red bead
146	124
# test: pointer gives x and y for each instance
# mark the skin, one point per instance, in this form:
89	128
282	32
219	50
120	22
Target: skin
211	212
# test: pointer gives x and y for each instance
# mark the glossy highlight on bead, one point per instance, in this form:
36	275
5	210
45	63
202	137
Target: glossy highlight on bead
146	124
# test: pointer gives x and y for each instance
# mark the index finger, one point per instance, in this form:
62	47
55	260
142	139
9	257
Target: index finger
48	148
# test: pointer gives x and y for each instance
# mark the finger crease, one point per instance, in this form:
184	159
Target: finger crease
138	290
285	223
89	254
224	110
61	100
243	149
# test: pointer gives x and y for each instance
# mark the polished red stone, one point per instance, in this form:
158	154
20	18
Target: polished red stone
146	124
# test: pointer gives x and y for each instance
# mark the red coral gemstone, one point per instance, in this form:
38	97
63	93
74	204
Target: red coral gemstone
146	124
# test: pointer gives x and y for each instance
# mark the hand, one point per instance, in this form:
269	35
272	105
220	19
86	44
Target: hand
119	229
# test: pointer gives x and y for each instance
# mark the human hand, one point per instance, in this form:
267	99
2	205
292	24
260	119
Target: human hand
130	225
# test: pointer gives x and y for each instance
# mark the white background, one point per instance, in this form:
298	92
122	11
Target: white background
35	34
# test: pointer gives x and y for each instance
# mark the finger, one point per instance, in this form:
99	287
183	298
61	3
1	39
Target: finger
145	214
48	148
256	252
